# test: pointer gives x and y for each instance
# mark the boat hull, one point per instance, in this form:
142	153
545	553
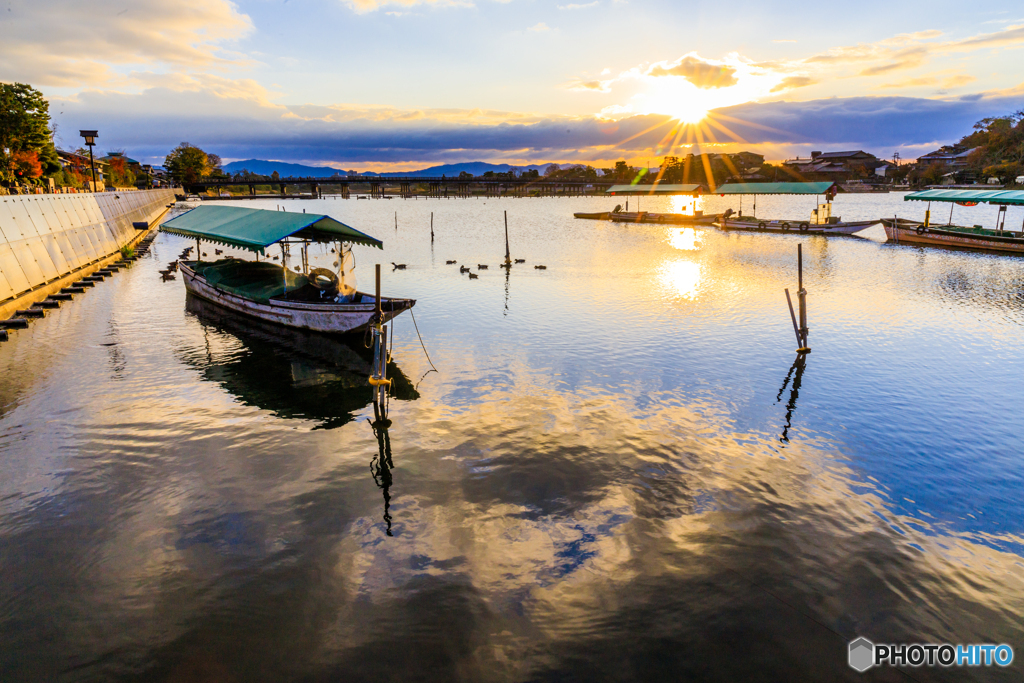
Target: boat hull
327	318
913	232
672	218
796	227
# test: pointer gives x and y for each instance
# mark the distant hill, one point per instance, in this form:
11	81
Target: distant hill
262	167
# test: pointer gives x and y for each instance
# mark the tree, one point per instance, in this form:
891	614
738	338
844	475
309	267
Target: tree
120	175
24	127
187	163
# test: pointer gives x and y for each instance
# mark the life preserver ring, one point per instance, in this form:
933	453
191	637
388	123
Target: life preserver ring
323	279
804	226
785	225
762	225
921	230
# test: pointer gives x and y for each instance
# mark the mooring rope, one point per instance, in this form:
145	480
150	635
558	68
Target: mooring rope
421	340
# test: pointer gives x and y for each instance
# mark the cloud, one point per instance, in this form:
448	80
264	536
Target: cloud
702	73
1012	35
68	43
366	6
539	28
905	59
780	40
236	121
595	86
911	50
574	6
790	82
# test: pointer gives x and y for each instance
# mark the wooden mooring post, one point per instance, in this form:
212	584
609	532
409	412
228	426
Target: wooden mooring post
378	376
508	254
431	226
800	328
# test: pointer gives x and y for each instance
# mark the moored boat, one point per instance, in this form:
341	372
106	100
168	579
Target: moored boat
821	221
316	299
949	235
752	224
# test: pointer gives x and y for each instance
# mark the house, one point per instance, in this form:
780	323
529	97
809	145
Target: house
954	156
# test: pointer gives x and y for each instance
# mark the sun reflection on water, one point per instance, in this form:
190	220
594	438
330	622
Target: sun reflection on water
686	239
683	277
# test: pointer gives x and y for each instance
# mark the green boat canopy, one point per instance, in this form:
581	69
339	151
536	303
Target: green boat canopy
1014	197
828	188
655	189
257	229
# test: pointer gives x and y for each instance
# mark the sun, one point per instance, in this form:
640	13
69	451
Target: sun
683	104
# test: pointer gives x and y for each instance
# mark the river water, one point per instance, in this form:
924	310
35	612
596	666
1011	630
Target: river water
619	472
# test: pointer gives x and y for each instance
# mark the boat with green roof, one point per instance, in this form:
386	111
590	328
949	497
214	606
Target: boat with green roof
964	237
317	299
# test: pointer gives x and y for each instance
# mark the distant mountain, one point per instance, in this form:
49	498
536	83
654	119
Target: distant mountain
285	170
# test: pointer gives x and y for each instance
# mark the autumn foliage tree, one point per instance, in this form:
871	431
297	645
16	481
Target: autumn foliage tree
26	143
187	163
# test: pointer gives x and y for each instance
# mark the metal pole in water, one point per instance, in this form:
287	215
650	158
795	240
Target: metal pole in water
802	298
431	226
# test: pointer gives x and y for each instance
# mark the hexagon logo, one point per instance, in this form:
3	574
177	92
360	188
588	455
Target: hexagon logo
862	654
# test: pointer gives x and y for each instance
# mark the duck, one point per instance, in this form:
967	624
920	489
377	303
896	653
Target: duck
481	266
448	263
541	267
463	269
204	253
276	258
218	252
398	266
505	265
473	276
520	260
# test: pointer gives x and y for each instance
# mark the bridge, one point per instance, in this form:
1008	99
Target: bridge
403	186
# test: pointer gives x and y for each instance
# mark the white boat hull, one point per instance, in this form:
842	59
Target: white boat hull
330	318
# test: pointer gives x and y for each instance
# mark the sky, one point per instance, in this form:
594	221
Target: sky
379	85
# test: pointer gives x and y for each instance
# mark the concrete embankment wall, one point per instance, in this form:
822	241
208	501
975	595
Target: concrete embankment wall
46	238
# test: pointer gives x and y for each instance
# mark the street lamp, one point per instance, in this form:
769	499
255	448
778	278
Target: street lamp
90	140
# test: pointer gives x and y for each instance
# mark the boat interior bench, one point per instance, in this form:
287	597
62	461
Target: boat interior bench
255	280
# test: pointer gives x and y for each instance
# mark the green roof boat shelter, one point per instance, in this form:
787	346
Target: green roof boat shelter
257	229
1000	198
969	197
654	189
827	188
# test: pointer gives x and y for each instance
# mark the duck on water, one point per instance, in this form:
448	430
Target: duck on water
316	299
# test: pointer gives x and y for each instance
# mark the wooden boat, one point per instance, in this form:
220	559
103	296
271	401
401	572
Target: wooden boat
648	217
821	221
310	299
976	237
916	232
673	218
752	224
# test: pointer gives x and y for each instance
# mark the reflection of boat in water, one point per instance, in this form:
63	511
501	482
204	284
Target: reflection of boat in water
315	299
291	373
949	235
